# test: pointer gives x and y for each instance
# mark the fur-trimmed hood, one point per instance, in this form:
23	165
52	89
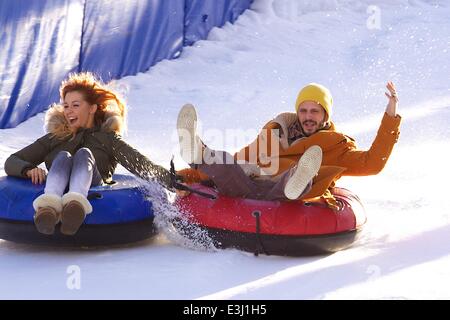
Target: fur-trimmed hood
56	123
285	120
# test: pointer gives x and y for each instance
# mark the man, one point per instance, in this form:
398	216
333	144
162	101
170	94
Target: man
307	133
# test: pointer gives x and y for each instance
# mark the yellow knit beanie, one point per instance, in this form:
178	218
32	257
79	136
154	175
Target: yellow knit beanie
317	93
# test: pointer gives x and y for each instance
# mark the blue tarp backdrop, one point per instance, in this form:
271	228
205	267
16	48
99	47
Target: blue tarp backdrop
41	41
202	16
114	46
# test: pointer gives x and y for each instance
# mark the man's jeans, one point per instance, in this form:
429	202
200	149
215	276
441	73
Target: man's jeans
231	180
79	172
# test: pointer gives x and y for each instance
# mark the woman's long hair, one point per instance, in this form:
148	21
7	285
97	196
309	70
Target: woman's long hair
109	103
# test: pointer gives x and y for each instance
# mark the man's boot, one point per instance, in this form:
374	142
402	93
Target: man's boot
191	147
307	168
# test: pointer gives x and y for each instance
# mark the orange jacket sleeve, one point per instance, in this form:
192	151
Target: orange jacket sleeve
372	161
190	175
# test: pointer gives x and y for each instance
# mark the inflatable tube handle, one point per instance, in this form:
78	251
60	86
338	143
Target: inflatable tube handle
259	245
94	196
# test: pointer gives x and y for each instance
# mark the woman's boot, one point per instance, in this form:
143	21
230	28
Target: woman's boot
48	208
75	208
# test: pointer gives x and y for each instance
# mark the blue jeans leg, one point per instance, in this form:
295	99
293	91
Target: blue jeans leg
84	172
59	174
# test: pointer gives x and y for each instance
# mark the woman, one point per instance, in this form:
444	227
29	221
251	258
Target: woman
82	149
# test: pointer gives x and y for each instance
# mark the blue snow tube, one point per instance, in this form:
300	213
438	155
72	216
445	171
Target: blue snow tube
121	214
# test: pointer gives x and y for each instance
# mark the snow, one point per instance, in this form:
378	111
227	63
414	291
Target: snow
239	78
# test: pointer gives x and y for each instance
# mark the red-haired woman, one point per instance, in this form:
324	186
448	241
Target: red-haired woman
82	149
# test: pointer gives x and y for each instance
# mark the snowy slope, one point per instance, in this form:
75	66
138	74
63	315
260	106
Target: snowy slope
239	78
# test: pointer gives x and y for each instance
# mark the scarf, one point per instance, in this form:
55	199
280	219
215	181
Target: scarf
295	131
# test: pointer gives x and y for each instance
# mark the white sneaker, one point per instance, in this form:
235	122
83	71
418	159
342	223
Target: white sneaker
307	168
190	144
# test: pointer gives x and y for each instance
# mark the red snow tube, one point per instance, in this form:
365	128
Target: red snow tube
291	228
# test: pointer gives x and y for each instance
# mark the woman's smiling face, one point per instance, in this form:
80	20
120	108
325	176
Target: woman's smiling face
78	112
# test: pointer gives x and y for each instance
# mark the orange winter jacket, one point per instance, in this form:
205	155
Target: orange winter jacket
341	157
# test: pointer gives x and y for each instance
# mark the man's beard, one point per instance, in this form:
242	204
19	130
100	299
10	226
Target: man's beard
317	126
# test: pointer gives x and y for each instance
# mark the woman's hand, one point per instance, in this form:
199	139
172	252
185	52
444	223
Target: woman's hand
182	193
391	108
37	175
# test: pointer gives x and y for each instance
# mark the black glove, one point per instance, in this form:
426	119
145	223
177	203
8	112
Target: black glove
176	183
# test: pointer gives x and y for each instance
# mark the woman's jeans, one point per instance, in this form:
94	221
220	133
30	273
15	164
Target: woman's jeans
79	172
